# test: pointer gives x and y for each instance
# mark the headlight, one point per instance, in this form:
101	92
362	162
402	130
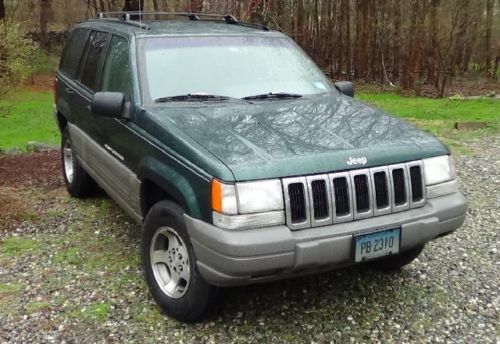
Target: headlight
247	204
255	197
439	169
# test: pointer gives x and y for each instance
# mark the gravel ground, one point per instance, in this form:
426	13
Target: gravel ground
69	272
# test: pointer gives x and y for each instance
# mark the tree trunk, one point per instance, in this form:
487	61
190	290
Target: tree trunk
196	6
133	5
102	7
348	65
433	42
155	6
44	19
2	10
396	40
487	34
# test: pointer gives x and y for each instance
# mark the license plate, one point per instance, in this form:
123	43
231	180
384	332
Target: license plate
376	244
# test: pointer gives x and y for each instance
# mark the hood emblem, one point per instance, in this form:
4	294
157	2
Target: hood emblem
357	161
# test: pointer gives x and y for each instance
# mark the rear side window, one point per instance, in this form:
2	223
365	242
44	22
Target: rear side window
72	52
95	51
116	72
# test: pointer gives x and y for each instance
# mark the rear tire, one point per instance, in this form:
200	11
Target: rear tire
78	182
396	262
169	265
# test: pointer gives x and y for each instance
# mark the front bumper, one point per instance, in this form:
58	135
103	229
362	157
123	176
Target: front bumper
229	258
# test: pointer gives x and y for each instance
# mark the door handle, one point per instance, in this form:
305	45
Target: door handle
70	90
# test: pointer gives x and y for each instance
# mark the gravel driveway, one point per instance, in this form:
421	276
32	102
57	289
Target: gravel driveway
69	272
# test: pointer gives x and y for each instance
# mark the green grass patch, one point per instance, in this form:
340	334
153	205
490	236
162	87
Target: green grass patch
487	110
438	116
93	313
15	245
27	116
34	307
10	288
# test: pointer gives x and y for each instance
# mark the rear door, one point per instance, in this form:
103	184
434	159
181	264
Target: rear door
87	84
67	75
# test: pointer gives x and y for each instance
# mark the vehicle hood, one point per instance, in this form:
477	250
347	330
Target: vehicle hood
270	139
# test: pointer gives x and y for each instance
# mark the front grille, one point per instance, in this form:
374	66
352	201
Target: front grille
346	196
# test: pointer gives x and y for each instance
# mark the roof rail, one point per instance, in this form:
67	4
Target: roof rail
135	18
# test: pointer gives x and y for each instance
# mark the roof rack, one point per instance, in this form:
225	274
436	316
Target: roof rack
135	18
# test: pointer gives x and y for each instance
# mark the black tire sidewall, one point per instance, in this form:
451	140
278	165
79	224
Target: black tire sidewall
193	305
82	184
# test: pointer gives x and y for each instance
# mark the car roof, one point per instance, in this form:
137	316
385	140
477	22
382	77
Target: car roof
176	28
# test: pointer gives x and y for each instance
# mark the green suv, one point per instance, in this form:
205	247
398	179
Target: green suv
242	162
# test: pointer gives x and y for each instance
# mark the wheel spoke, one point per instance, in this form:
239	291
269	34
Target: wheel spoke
171	286
160	256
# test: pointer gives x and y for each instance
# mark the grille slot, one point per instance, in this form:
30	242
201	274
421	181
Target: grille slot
297	202
381	190
362	193
399	184
417	188
341	192
319	199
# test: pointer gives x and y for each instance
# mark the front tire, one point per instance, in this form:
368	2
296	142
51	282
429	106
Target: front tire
78	182
396	262
169	265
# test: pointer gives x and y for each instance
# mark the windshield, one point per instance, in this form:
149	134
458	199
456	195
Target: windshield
227	66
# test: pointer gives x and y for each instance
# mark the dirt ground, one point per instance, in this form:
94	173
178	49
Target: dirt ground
40	170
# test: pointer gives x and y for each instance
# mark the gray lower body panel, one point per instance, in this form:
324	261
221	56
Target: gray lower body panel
229	258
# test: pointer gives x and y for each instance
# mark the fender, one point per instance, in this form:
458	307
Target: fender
174	183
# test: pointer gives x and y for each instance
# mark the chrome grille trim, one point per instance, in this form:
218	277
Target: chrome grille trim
328	220
307	222
388	208
348	217
420	203
349	177
369	212
406	205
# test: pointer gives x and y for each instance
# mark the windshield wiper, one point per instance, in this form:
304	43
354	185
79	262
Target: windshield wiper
191	96
271	95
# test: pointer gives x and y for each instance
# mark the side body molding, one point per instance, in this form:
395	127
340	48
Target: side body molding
177	185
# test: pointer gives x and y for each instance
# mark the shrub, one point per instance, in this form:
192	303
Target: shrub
16	56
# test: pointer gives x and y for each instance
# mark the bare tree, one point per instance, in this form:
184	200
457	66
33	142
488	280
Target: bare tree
2	10
133	5
44	19
487	34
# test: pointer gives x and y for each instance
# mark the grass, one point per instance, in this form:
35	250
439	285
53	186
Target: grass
26	115
420	108
17	245
438	116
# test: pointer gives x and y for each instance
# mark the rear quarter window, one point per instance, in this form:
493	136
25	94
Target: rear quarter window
73	51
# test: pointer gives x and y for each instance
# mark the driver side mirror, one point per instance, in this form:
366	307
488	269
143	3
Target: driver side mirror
345	87
108	104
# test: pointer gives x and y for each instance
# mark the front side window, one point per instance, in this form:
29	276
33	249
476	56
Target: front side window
227	66
97	46
116	72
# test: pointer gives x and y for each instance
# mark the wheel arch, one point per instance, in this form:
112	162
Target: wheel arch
160	182
62	121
